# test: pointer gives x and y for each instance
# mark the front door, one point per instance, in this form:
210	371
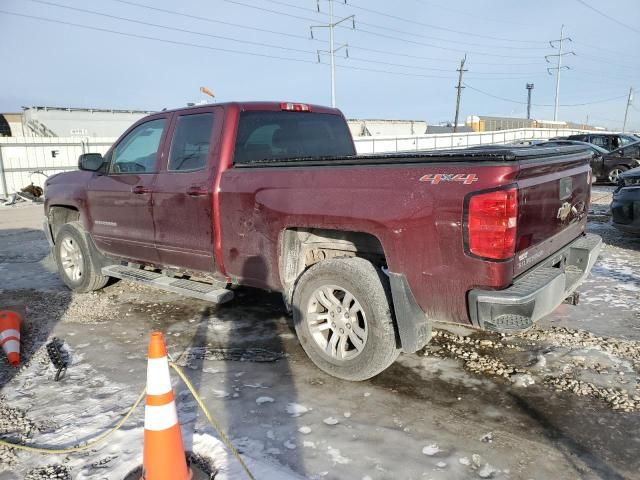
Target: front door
120	199
183	191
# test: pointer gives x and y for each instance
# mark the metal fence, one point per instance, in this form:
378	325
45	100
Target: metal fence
440	141
20	157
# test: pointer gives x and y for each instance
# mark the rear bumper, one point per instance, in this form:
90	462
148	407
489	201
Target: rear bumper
625	209
537	292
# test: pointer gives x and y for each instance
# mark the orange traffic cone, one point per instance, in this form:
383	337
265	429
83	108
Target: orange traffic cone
164	456
10	336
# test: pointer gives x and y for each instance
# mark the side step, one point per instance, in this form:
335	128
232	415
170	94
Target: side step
188	288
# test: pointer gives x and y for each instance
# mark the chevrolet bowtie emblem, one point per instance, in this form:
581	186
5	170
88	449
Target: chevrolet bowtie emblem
564	211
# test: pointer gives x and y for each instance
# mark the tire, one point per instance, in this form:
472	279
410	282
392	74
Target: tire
612	174
76	266
362	322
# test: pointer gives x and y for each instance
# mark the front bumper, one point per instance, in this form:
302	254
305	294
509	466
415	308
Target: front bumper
537	292
625	209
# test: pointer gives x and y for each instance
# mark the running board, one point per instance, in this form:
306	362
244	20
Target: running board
188	288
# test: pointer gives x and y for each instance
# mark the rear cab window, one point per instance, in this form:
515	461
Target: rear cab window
269	135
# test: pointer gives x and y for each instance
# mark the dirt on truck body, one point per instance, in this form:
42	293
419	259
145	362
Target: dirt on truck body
367	251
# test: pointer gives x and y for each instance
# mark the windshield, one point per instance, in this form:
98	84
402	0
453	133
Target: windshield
277	135
599	149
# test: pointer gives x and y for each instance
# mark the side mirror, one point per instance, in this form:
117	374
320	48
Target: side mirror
90	161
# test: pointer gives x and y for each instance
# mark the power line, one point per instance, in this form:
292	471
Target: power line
436	27
582	2
404	32
175	29
544	104
261	44
209	19
208	47
302	37
475	17
378	34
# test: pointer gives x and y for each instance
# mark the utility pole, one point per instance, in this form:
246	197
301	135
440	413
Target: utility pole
559	66
626	110
529	88
459	87
332	49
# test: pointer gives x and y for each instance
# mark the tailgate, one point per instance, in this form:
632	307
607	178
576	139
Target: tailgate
554	190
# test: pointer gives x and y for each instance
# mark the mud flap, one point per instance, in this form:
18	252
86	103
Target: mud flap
414	328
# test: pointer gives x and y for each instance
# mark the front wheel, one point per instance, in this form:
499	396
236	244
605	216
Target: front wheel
73	257
615	172
343	318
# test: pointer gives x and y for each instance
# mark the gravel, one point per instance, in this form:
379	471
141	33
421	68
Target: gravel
487	354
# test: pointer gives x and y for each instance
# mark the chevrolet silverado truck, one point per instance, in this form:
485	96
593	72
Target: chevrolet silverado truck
367	251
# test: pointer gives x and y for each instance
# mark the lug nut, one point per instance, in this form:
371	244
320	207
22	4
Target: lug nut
349	326
341	330
333	325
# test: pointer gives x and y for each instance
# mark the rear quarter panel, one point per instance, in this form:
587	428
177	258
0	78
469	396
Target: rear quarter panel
419	224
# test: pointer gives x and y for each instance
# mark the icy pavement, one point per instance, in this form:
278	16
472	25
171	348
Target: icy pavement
556	402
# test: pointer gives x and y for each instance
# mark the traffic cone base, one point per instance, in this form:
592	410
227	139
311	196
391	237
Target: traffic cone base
10	336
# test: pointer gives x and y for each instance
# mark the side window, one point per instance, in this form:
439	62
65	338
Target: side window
190	144
615	143
625	140
137	152
599	140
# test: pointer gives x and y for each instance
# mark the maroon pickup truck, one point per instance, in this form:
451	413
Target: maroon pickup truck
368	251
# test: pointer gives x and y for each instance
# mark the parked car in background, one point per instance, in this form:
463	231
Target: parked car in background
608	141
607	166
625	207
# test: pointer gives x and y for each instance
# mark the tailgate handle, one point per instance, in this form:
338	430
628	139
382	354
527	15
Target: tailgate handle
140	189
197	191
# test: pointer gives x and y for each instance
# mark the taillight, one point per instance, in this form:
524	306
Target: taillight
295	107
492	220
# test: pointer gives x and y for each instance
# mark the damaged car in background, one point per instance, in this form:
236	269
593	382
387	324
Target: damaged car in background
625	207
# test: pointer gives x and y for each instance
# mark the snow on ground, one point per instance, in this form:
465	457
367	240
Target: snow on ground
557	402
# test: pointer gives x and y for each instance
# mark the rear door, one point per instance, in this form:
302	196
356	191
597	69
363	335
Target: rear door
553	200
119	200
183	191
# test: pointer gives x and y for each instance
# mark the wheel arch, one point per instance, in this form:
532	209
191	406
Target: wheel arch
302	247
58	215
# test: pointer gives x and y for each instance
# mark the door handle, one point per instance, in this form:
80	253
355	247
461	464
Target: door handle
197	191
140	189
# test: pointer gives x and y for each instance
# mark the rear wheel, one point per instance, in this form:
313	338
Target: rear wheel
73	257
342	315
615	172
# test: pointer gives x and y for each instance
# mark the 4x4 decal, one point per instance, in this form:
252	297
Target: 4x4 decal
436	178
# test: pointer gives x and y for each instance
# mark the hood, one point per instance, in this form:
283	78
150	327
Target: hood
633	173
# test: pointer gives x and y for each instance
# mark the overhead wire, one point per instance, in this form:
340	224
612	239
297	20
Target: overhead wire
413	34
208	47
438	27
609	17
543	104
248	42
381	35
292	35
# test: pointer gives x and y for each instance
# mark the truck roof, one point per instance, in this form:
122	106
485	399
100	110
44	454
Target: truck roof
258	105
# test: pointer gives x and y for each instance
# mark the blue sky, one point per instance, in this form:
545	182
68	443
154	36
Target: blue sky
402	55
